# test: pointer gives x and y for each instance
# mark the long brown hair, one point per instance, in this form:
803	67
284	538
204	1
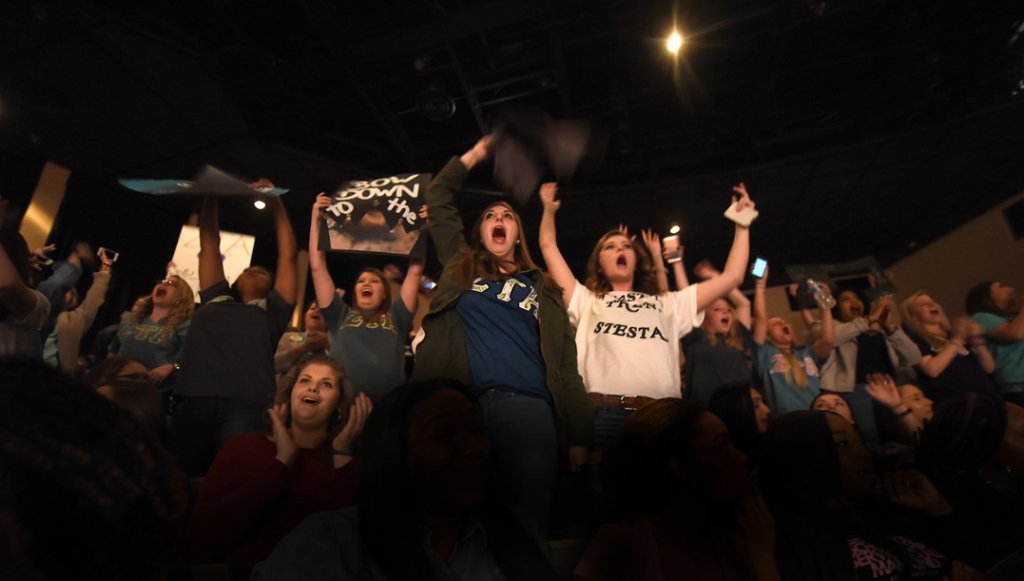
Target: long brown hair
474	261
181	309
732	338
287	384
645	280
936	340
388	298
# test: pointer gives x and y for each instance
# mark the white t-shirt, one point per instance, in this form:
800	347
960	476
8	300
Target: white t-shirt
22	337
628	342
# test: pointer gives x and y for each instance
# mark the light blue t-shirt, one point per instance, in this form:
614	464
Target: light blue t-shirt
1009	357
783	396
154	343
503	335
372	353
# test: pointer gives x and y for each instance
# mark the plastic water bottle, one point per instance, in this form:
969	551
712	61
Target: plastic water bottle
822	296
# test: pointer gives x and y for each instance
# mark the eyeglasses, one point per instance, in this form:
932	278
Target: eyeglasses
165	281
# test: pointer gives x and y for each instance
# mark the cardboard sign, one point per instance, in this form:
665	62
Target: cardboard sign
235	253
209	181
379	216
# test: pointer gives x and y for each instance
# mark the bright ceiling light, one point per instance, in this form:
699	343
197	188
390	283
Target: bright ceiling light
260	204
674	229
675	42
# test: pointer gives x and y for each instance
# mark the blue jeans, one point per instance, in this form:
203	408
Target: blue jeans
608	422
525	455
201	425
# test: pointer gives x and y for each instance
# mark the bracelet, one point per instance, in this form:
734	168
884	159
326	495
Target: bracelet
906	413
345	452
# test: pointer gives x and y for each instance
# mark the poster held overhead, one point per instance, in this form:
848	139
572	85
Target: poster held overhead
210	180
379	216
235	253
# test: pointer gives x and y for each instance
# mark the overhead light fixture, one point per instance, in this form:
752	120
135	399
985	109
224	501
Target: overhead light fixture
674	229
675	42
260	204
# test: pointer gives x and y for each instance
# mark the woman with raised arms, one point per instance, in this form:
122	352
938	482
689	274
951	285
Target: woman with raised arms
369	338
497	323
628	328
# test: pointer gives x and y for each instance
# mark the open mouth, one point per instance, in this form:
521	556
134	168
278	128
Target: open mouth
160	292
725	321
935	312
310	400
620	261
498	235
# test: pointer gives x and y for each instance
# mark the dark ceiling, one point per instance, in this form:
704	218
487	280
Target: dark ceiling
859	126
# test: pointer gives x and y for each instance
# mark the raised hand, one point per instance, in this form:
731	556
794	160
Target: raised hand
357	414
320	204
625	232
743	199
653	243
316	341
882	388
705	270
478	153
548	192
287	449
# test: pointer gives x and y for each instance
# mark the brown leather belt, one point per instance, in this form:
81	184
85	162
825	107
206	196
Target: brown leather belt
626	402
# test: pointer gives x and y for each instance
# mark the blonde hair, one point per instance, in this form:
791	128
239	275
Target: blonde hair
732	338
936	340
795	375
181	309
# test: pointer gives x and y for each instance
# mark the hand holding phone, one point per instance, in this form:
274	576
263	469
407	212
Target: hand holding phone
760	265
673	252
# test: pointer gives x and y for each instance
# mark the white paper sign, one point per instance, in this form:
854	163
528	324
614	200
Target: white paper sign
235	253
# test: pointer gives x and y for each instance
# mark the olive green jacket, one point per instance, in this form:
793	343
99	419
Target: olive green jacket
443	350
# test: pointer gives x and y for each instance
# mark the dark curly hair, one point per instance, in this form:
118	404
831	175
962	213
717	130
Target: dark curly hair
83	493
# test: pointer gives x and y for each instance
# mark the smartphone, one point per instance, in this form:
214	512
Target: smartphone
742	217
108	254
672	251
760	265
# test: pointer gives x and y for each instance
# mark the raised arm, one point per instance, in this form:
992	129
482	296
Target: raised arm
739	300
211	269
557	267
14	293
653	243
411	285
1011	331
827	338
323	284
760	309
976	341
736	265
883	389
287	276
444	221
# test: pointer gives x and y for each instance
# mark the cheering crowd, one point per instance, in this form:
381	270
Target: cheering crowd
684	433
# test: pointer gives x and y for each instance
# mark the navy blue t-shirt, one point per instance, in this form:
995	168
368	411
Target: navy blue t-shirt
499	320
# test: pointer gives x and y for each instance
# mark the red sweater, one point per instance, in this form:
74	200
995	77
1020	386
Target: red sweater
249	500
